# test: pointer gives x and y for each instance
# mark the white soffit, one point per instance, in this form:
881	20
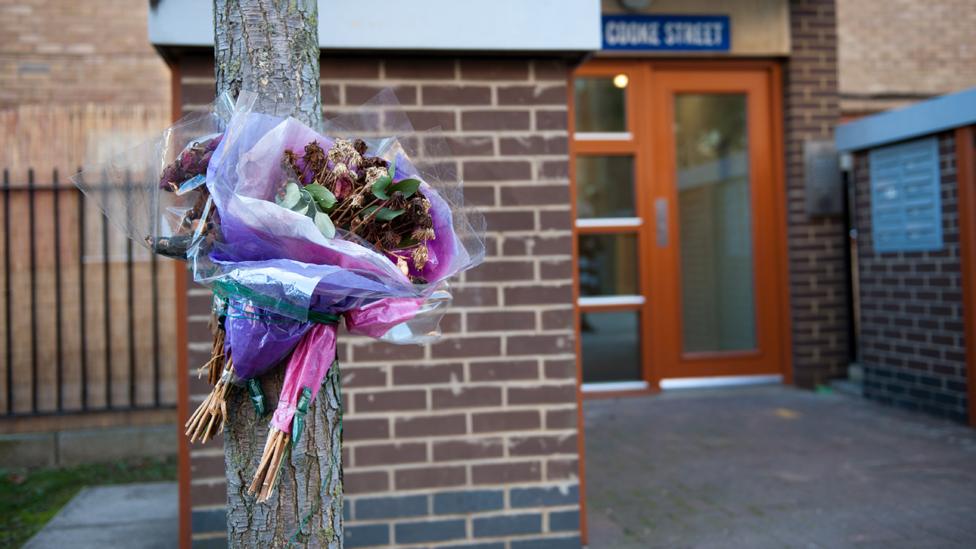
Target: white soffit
468	25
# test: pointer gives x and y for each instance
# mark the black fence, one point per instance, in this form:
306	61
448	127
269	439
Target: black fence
88	342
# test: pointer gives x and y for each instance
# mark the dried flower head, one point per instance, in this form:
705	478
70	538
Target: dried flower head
420	257
373	173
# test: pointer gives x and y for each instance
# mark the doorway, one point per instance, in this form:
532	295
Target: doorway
679	223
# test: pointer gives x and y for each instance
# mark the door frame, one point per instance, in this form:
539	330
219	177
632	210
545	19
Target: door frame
641	71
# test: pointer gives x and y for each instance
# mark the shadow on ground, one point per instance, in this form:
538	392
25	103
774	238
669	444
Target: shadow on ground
775	467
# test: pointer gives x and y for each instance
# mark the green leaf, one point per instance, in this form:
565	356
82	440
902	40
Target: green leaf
292	196
322	196
380	187
324	224
392	170
407	242
387	214
407	187
304	203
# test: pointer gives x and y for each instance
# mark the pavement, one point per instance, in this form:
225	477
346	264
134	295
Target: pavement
775	467
134	516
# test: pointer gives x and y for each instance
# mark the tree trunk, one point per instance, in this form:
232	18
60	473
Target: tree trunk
271	47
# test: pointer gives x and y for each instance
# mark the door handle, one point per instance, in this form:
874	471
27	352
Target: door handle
661	221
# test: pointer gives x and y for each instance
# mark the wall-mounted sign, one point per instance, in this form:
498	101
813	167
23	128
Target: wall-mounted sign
667	32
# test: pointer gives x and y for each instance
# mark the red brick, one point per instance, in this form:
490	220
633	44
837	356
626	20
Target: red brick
521	420
499	271
539	344
495	120
497	170
423	426
357	94
561	419
390	454
425	374
542	445
510	221
506	473
420	68
550	394
430	477
538	295
533	145
380	351
556	220
355	429
431	120
387	401
561	369
550	69
466	397
555	269
471	296
551	120
479	448
533	195
457	347
467	145
362	376
532	95
494	69
494	321
342	68
362	482
538	245
562	469
456	95
504	370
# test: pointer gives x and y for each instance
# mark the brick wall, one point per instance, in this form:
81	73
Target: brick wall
912	337
818	283
473	438
96	51
893	52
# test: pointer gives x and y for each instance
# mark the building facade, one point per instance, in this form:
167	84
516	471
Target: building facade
915	188
893	53
641	167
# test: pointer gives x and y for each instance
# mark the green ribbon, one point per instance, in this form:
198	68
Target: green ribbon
298	422
228	289
257	396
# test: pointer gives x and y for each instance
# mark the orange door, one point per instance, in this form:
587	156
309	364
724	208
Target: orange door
715	277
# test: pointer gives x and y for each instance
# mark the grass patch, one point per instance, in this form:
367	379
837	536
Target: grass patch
30	498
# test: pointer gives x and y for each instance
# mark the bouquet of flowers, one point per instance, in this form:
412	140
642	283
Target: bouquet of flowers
295	230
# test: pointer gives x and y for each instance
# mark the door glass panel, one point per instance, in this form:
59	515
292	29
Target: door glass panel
611	346
604	186
714	222
601	103
607	264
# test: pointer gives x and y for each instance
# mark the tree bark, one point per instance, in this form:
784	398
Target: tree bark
271	47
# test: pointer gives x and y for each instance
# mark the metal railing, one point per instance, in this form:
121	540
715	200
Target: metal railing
93	368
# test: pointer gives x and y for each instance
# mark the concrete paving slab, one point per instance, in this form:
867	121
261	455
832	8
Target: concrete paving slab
136	516
775	467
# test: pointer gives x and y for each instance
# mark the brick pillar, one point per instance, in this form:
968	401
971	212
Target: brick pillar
474	438
818	292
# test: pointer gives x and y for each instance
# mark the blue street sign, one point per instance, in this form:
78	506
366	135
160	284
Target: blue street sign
667	32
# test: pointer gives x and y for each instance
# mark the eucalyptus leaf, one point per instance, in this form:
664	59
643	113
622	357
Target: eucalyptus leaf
322	196
408	187
386	214
380	187
324	224
292	196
